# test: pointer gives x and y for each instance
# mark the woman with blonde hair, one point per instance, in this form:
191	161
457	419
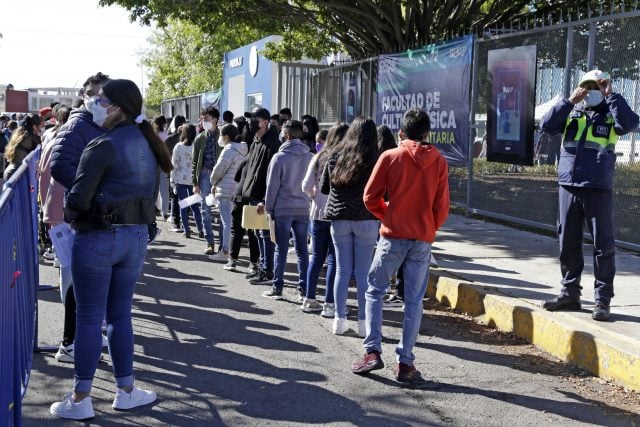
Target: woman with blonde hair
23	140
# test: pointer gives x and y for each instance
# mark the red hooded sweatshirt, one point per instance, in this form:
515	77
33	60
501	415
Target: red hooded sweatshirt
416	179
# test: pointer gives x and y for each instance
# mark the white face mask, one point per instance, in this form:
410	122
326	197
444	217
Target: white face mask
99	113
89	102
221	142
594	97
207	126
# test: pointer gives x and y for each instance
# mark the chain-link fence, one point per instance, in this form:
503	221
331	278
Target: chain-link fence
525	195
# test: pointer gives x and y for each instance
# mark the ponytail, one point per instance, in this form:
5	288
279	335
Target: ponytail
158	147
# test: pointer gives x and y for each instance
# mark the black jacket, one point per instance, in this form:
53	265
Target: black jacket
345	203
260	154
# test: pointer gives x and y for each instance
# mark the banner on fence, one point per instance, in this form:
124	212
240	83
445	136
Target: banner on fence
436	79
510	117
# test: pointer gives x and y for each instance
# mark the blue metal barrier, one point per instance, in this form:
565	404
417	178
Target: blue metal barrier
19	278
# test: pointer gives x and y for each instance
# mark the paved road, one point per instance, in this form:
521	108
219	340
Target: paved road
219	354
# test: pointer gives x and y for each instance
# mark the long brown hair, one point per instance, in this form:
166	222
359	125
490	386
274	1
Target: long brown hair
334	136
21	134
358	153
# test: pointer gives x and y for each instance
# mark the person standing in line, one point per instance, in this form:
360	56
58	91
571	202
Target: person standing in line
51	192
265	145
590	121
23	141
67	148
205	155
172	140
159	126
233	153
353	228
414	177
182	161
110	204
237	232
288	206
321	241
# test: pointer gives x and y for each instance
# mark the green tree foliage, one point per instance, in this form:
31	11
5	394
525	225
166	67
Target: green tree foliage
185	60
195	33
362	28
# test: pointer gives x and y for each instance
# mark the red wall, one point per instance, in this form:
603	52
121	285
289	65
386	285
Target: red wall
17	101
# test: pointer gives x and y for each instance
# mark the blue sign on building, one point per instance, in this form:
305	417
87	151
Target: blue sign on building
249	79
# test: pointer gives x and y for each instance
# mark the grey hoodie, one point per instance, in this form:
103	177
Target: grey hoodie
284	180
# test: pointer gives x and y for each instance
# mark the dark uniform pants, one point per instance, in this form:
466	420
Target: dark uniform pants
576	205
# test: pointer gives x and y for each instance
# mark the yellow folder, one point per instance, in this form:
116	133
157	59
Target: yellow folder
251	220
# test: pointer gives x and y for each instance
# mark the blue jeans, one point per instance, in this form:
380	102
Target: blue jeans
266	246
184	191
205	188
105	266
225	206
354	242
322	249
390	254
300	226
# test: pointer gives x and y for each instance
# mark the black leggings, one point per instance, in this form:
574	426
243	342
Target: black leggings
237	234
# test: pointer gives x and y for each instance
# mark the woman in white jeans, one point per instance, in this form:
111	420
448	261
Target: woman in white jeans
223	181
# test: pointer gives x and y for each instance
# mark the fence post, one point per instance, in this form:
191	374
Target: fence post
592	46
472	122
568	65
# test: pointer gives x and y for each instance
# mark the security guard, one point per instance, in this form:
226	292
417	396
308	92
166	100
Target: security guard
590	120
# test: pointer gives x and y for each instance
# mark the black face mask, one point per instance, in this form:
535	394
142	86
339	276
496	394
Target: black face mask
253	126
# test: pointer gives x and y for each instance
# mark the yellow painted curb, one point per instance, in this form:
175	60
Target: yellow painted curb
605	357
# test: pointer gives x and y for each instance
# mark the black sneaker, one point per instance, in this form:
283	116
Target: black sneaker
370	362
562	302
272	294
601	312
253	274
153	235
264	278
392	300
201	234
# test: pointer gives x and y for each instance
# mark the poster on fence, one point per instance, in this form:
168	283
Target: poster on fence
510	118
437	79
351	90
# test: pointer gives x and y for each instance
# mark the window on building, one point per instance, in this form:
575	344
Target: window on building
254	100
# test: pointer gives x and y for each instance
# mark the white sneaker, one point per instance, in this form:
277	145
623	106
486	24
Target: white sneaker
310	306
105	341
219	257
65	354
72	410
137	397
362	329
328	310
56	263
49	254
339	325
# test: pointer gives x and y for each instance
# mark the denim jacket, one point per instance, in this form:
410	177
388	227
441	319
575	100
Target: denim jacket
116	181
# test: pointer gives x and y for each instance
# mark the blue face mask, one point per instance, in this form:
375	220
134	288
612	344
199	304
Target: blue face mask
594	97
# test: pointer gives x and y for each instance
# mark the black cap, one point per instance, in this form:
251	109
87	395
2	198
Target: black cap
258	113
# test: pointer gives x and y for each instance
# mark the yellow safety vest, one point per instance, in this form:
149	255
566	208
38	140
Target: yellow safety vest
602	137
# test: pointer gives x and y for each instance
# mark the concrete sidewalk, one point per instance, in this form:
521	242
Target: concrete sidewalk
502	275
